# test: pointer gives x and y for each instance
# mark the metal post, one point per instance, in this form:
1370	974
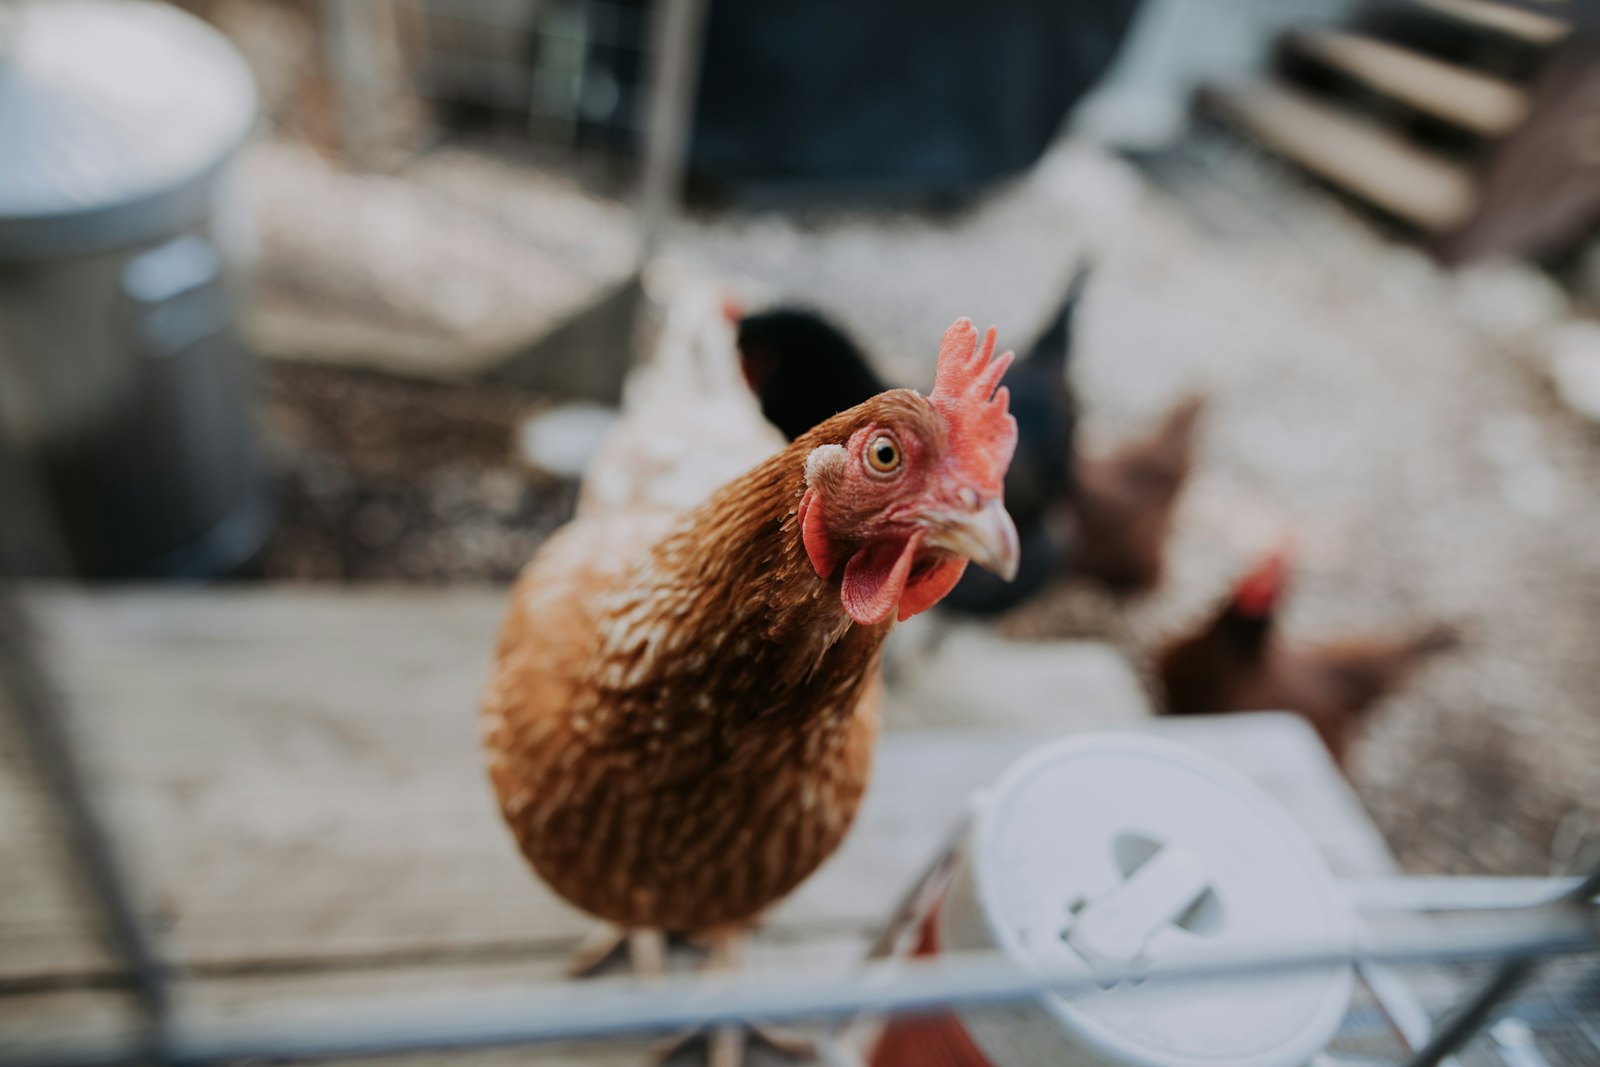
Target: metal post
1501	986
40	715
349	51
675	39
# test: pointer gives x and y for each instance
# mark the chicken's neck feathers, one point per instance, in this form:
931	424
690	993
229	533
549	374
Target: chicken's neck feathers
727	620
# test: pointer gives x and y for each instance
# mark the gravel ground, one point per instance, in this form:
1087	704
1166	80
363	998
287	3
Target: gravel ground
385	479
1387	416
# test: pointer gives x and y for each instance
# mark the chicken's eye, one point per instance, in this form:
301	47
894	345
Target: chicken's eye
883	455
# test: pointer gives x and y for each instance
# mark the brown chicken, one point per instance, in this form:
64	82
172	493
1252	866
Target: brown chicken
1237	663
1125	501
682	707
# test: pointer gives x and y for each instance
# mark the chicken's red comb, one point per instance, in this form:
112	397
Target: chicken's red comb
1258	591
983	435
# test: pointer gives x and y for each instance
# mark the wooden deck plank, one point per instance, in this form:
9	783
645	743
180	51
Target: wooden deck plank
295	778
1458	95
1364	160
41	906
51	1016
1532	26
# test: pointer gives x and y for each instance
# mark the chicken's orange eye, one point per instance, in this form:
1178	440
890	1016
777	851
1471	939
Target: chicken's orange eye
883	455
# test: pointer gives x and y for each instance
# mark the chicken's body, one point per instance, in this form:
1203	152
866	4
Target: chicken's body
684	698
679	742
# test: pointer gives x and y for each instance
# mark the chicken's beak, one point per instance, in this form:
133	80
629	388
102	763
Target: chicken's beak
986	536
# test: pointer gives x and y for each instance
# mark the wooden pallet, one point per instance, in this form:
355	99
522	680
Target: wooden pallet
1532	26
1355	155
1506	167
1457	95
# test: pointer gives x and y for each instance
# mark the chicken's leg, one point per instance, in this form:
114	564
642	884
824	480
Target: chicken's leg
725	1043
646	948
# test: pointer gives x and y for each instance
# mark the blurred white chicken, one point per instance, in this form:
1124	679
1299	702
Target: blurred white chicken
689	423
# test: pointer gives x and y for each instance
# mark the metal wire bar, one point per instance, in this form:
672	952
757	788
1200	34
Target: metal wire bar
1587	889
1451	893
836	1046
43	726
1505	981
912	905
676	39
1394	995
612	1009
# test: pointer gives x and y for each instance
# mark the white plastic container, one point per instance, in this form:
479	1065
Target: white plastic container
1110	851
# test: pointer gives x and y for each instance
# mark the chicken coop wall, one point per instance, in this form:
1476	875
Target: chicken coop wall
562	80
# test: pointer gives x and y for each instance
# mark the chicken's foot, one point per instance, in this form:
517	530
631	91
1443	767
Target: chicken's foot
725	1044
646	949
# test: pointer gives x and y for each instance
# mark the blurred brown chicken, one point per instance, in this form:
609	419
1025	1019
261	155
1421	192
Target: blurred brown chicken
681	711
1236	662
1125	501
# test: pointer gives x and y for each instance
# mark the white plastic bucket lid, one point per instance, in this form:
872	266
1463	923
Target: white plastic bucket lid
1113	851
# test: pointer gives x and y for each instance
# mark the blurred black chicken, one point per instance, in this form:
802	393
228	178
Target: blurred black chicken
805	370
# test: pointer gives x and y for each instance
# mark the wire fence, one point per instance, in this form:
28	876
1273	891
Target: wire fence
570	81
570	73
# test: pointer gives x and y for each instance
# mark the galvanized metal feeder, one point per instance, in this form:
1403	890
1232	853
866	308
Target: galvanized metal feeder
123	390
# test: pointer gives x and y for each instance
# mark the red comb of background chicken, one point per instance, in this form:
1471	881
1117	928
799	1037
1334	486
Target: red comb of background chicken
1258	591
983	434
